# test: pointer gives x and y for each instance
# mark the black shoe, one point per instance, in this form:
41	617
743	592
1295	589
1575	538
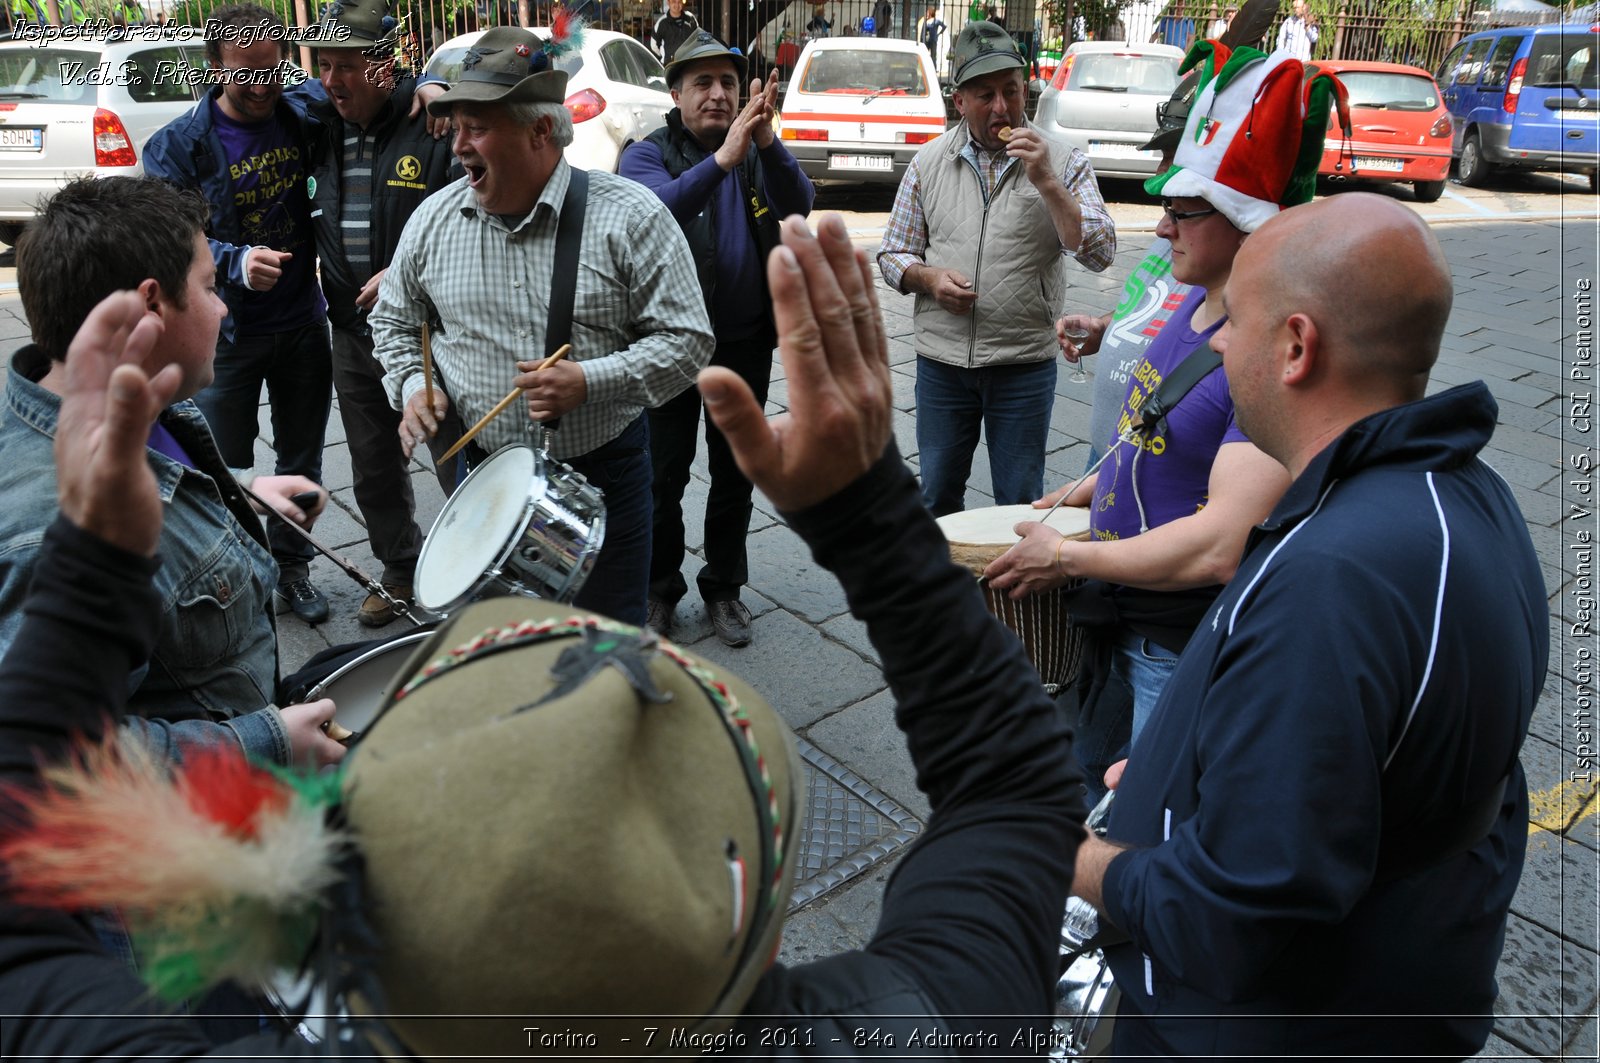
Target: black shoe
731	621
658	616
304	600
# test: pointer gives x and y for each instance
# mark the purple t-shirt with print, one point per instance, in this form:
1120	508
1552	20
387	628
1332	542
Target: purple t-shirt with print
267	179
1172	473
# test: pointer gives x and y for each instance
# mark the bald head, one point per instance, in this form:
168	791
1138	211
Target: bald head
1336	310
1371	275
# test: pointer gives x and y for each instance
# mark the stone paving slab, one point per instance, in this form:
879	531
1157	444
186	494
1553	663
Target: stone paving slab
865	738
1540	1015
806	677
781	568
1559	887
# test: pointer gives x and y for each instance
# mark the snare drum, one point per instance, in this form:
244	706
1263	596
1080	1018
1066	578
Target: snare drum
977	537
521	523
360	687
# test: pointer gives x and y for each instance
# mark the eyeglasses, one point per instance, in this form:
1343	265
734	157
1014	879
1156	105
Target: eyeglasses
1176	216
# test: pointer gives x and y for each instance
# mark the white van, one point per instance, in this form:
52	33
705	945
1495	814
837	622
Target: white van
858	108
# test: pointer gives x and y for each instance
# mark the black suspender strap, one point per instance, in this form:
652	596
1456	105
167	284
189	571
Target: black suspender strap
1174	386
564	277
564	274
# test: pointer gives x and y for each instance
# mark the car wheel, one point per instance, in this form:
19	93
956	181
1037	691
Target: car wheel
1472	169
1427	191
10	231
1594	181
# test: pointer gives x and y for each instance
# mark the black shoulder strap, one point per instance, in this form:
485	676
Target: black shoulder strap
1174	386
564	277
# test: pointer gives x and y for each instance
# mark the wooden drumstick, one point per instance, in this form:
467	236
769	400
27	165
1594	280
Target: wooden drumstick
427	367
500	407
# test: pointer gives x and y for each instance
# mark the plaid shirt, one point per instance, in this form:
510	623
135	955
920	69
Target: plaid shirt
905	238
639	325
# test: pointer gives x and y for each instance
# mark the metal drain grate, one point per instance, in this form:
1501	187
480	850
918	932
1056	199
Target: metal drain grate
848	827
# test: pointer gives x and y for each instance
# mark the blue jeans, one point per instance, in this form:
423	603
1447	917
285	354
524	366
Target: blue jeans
1010	403
297	367
1145	667
617	586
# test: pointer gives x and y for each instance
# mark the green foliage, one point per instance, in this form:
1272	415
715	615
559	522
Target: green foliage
1097	15
195	12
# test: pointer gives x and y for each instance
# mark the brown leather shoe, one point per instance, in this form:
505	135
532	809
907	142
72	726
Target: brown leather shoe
731	621
376	612
658	616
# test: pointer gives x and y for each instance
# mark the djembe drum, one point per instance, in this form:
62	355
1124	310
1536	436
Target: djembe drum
977	537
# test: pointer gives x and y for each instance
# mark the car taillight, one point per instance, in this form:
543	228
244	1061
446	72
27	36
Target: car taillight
1515	88
1441	128
791	133
112	145
1060	80
585	105
915	138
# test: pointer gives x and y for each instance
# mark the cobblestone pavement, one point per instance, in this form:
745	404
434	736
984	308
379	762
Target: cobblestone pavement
1522	322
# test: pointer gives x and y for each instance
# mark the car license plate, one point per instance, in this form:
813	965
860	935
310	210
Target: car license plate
1115	150
22	139
1392	165
860	162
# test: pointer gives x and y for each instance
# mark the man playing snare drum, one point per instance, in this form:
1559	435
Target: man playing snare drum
1317	839
480	255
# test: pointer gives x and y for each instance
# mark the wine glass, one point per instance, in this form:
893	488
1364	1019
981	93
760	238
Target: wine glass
1078	336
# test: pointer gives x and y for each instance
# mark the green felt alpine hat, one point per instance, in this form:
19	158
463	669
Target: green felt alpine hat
363	24
702	44
507	65
983	48
562	815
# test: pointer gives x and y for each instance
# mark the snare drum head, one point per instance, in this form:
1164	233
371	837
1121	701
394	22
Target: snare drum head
476	526
360	687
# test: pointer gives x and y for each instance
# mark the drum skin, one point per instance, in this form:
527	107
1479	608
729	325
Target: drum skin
976	538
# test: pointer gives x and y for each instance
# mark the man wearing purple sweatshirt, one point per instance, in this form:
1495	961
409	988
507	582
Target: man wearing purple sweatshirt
728	180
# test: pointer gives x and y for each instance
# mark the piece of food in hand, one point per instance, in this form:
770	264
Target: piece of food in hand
1005	133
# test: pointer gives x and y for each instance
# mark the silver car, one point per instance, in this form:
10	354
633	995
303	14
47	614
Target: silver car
1103	99
70	108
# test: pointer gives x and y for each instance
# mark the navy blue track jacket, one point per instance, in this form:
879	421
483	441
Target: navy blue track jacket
1367	675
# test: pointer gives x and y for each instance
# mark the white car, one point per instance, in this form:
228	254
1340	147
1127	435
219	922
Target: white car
616	91
1103	100
859	108
70	108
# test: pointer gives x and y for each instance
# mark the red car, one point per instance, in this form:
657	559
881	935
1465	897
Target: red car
1401	128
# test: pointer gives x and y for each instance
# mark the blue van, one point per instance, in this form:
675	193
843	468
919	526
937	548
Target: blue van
1524	98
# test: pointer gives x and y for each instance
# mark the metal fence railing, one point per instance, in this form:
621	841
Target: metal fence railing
1360	30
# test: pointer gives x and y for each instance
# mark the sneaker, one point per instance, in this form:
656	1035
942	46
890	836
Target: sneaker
731	621
658	616
304	600
376	611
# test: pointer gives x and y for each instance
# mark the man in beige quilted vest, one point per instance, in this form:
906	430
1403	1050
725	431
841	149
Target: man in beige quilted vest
982	226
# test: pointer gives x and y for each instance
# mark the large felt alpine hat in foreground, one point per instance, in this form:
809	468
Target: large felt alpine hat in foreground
554	815
1253	136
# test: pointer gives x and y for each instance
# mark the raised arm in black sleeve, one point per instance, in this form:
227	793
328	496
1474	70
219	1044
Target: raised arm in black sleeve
974	912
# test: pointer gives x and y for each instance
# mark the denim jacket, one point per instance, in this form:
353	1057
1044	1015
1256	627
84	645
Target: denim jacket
214	669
